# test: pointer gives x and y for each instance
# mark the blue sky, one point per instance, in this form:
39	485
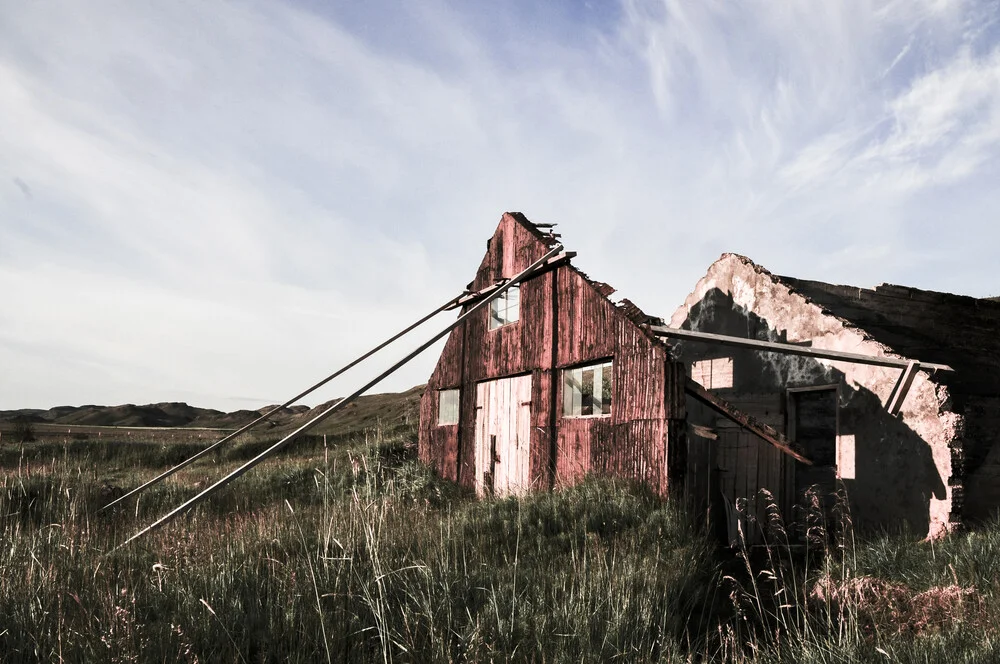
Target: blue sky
221	202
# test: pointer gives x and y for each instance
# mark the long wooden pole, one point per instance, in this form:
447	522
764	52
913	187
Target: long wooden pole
791	349
188	504
187	462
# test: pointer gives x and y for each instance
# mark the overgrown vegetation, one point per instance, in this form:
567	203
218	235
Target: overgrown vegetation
22	430
355	552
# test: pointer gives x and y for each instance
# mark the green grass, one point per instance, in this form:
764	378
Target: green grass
354	552
371	558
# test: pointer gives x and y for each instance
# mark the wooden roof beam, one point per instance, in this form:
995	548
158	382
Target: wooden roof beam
792	349
746	421
895	403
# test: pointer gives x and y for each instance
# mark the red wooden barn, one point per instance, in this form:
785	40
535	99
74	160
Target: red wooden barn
551	381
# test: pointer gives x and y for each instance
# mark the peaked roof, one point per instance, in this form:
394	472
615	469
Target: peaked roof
545	234
957	330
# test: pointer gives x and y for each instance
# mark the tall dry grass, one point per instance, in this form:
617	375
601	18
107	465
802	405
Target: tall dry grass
816	591
351	554
355	552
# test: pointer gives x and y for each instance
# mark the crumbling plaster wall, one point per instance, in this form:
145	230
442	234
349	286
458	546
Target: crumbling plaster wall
793	318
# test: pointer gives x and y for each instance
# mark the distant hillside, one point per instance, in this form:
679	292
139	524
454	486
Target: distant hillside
389	410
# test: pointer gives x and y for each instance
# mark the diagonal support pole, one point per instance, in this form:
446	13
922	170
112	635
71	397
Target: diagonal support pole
746	421
895	403
188	504
187	462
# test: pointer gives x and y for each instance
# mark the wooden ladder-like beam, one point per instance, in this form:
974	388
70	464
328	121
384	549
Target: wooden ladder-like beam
746	421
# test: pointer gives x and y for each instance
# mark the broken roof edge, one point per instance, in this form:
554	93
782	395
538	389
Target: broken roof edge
625	306
884	288
548	236
680	315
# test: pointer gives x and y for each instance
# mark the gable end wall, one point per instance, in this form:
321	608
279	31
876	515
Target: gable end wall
909	457
565	321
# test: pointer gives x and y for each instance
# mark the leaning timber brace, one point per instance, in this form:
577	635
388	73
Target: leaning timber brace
543	262
187	462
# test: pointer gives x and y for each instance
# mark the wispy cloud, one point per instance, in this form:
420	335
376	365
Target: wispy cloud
207	200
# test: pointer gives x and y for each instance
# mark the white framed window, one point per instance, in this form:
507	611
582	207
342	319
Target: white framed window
505	308
448	407
587	390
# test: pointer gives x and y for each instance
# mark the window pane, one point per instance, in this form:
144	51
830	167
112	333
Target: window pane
587	388
606	383
577	391
598	373
571	392
568	392
587	391
448	406
495	319
505	308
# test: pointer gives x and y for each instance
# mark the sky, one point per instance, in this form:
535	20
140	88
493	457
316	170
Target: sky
222	202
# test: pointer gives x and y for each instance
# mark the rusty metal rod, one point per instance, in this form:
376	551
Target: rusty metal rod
191	502
187	462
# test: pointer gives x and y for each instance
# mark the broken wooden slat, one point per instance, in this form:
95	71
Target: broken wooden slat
748	422
899	392
703	432
792	349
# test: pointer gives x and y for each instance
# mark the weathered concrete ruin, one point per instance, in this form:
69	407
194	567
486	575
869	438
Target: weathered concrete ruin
931	465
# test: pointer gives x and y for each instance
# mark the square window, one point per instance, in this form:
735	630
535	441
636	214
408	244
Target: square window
505	308
448	407
714	374
587	390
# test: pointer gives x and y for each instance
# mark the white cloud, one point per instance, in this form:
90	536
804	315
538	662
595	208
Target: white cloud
210	183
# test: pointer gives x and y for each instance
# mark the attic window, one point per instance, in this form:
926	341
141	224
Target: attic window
587	390
506	308
715	374
447	407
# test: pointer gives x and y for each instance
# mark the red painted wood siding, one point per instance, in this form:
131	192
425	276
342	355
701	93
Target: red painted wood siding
564	321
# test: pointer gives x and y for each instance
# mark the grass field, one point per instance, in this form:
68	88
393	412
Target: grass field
354	552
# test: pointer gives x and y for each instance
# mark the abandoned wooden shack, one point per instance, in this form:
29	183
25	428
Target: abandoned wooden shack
551	381
905	445
889	397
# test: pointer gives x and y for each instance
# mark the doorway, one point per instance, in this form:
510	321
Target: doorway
812	425
503	435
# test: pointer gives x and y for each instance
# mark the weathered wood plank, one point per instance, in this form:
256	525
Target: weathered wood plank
746	421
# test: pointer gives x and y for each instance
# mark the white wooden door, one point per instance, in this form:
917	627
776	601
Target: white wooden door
503	434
